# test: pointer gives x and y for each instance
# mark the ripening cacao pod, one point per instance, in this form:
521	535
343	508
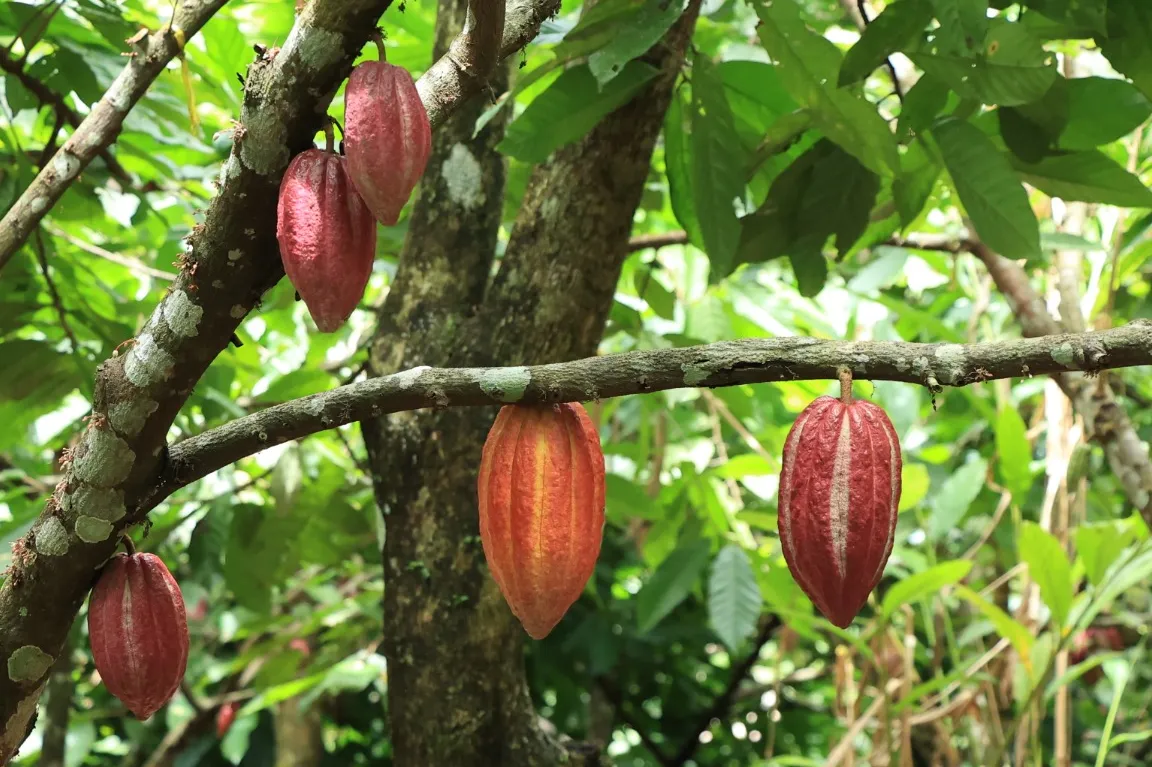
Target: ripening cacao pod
387	137
839	495
541	490
224	718
327	236
139	632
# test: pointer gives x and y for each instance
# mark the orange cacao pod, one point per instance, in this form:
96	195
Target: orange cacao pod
139	632
541	490
839	495
327	236
387	137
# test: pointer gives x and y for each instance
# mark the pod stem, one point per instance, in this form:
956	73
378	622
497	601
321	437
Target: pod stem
129	546
845	386
329	137
379	40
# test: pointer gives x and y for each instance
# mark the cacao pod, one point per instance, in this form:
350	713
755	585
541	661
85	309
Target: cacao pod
224	719
139	632
541	491
387	137
839	495
327	236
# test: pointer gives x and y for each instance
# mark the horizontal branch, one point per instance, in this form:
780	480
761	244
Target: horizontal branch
727	363
147	60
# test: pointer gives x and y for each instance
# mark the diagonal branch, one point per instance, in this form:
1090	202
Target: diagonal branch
101	126
728	363
233	258
48	97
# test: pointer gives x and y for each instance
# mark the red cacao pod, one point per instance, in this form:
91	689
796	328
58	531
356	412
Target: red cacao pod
839	495
541	490
139	632
224	719
327	236
387	137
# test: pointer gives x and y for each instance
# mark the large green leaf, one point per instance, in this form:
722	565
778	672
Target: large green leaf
956	494
632	34
671	584
1100	544
734	598
1128	44
570	108
920	585
717	168
899	24
1006	625
989	189
1102	110
1089	176
1049	567
809	66
1013	452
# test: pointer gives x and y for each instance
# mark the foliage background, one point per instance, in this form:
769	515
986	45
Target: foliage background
998	483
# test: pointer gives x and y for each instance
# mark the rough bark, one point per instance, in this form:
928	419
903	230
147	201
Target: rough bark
548	303
119	463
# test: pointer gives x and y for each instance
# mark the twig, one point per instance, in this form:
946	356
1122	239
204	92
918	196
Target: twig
125	261
99	128
42	259
658	240
724	700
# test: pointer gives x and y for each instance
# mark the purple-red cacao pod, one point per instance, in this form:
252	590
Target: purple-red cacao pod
225	717
541	490
139	632
327	236
839	495
387	137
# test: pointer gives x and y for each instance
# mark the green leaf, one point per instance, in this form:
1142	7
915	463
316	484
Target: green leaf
1049	567
1006	626
679	164
1102	110
963	24
899	24
988	83
734	598
634	34
671	583
570	108
717	168
1100	544
912	189
920	585
807	64
1089	176
1128	45
956	494
923	102
989	189
1014	453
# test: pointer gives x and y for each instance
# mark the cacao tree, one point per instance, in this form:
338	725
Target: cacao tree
631	381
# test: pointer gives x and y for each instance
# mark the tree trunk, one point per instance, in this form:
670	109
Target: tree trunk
457	693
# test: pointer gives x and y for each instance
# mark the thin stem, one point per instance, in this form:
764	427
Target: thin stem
379	40
129	546
845	386
329	137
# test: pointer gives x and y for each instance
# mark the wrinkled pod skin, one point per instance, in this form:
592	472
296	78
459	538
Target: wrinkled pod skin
138	632
387	137
541	497
839	496
327	236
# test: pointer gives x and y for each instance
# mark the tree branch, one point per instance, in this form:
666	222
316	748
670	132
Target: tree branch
101	126
48	97
724	700
727	363
233	259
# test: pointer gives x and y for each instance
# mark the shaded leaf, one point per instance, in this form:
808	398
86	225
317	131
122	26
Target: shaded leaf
733	597
1049	567
672	582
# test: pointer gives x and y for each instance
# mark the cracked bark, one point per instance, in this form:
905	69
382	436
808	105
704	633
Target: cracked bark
548	303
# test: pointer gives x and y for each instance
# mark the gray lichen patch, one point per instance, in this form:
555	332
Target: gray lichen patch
952	360
101	503
147	363
405	379
93	530
316	48
103	459
694	375
182	316
464	178
128	418
1064	354
505	384
52	538
264	149
28	664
